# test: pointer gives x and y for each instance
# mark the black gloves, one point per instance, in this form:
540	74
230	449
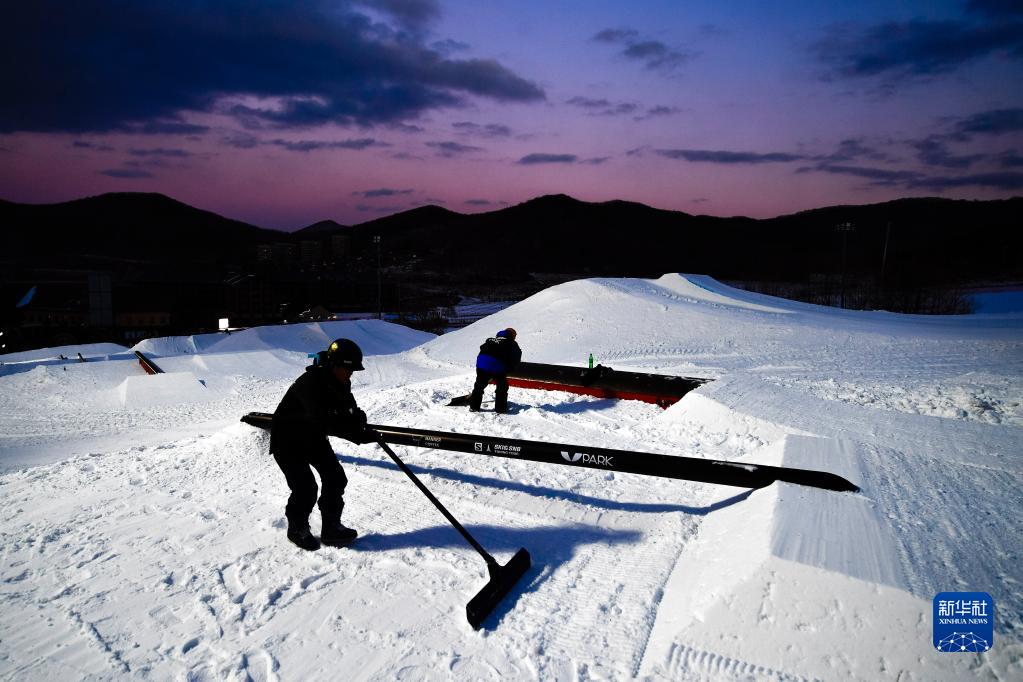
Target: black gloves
363	435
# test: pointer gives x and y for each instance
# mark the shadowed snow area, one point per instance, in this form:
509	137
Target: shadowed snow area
143	529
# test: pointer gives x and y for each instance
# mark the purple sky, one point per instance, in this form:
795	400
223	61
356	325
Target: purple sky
284	113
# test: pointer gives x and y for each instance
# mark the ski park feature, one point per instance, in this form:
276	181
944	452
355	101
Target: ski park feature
144	537
148	365
599	381
623	461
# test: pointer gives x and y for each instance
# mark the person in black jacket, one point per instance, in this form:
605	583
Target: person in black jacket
320	402
498	355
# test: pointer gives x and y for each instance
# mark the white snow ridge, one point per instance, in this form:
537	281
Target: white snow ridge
143	530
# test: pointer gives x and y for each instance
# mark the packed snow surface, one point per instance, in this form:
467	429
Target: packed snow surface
143	529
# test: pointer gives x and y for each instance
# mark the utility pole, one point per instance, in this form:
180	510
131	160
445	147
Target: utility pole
845	229
380	309
884	252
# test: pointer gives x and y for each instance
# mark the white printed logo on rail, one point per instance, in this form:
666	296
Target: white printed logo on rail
601	460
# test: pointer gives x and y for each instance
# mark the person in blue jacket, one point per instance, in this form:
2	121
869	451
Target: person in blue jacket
498	355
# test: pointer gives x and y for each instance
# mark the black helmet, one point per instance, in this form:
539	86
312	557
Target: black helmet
345	353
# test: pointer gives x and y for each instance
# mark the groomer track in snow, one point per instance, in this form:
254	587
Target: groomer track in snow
143	537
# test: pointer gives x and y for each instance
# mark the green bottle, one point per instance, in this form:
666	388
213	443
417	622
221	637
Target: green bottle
591	360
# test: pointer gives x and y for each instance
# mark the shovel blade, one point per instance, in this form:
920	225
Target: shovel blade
502	580
459	401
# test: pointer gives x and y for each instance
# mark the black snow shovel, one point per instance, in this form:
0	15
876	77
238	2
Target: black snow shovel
502	578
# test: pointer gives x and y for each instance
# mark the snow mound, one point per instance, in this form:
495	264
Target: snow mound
178	345
162	389
375	337
703	289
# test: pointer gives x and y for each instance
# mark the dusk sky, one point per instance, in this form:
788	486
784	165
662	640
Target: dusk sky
284	113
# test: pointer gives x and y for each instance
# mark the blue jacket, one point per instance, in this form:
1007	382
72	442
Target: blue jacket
498	355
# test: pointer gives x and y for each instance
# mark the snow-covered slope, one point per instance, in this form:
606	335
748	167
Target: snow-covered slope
147	538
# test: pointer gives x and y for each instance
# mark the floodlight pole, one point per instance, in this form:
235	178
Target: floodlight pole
884	252
380	309
845	229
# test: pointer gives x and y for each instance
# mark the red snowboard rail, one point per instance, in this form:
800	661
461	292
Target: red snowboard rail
148	364
603	382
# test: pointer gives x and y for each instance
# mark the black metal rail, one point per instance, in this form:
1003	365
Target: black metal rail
602	459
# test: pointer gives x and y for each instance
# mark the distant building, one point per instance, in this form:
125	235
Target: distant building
311	253
281	254
316	313
340	246
141	324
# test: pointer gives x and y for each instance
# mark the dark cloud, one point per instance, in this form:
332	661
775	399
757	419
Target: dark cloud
994	122
159	151
603	107
877	176
914	48
726	157
596	160
1010	159
450	149
996	8
113	65
382	192
654	54
532	159
405	128
617	35
660	110
241	140
478	202
851	149
1008	181
318	145
162	127
84	144
449	46
127	173
489	130
411	14
933	151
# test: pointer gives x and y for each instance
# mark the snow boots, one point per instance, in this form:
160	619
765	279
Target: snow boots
336	535
299	534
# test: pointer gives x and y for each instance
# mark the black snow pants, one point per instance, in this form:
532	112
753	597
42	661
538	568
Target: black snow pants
295	459
482	379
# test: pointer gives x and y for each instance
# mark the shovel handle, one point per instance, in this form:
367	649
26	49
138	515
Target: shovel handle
491	562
